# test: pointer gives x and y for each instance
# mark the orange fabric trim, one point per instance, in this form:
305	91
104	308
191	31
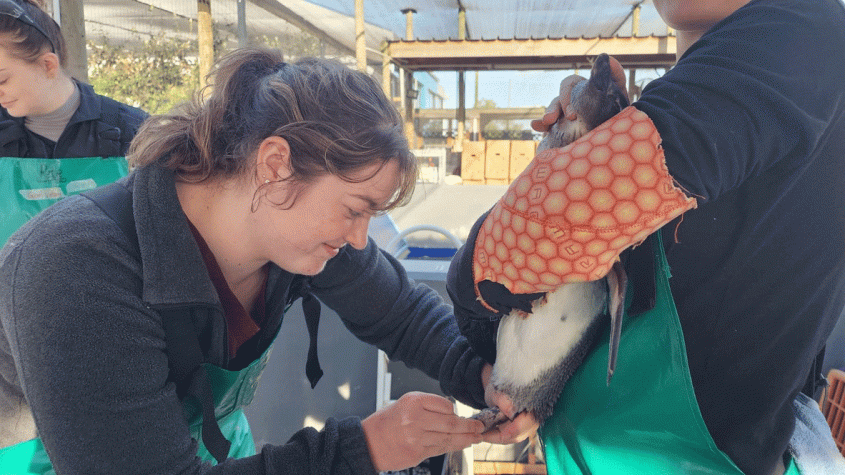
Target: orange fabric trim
574	209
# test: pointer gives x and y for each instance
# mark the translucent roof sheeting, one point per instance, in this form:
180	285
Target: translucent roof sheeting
507	19
334	20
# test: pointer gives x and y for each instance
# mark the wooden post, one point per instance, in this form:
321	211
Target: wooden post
408	99
385	72
205	38
635	21
360	36
72	20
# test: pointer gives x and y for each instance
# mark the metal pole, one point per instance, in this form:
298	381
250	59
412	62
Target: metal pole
408	100
632	74
409	23
475	104
462	110
243	40
57	11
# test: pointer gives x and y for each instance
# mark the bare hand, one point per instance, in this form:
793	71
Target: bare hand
416	427
558	105
561	103
518	428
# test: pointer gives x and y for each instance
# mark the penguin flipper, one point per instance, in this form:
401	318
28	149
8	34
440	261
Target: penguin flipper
617	282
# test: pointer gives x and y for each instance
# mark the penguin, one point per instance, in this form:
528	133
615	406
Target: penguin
536	354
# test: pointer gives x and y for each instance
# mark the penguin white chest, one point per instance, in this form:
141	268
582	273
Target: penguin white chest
528	347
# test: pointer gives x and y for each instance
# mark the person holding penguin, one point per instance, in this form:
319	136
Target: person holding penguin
727	170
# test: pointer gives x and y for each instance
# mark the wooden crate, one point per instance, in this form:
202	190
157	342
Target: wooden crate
497	181
833	407
522	152
507	468
497	158
472	161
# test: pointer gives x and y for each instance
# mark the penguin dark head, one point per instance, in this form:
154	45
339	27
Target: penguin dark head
593	101
600	97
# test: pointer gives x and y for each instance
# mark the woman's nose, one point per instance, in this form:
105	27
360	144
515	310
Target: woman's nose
357	235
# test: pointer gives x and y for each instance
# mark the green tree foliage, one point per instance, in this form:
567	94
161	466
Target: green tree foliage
294	46
155	76
161	72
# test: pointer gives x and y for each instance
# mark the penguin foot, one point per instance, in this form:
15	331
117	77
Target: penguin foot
491	417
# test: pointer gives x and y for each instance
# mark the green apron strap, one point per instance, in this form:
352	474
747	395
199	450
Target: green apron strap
185	358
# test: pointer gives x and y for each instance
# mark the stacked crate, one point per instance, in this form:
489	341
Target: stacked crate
497	156
495	162
473	163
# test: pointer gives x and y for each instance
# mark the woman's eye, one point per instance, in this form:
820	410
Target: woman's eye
354	214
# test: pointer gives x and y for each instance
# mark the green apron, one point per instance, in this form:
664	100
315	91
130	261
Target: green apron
233	390
29	185
647	420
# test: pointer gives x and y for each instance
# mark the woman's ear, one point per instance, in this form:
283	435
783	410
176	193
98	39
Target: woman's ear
273	160
52	65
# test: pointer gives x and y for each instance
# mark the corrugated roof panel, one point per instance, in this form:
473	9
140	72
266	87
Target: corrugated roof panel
334	19
505	19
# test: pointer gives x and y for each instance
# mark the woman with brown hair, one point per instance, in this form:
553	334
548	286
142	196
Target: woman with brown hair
138	318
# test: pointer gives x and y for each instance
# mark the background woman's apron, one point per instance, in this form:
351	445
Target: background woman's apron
233	390
29	185
647	420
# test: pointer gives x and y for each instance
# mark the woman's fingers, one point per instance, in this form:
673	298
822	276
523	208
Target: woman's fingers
550	117
416	427
519	426
513	431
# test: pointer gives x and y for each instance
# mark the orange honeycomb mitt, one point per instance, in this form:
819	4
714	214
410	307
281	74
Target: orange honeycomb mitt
574	209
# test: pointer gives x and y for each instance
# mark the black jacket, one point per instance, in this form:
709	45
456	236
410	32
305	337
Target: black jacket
100	127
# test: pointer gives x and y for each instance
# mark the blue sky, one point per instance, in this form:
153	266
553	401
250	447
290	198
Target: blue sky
515	88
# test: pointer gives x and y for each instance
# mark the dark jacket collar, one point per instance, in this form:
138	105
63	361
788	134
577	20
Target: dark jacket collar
173	269
89	105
